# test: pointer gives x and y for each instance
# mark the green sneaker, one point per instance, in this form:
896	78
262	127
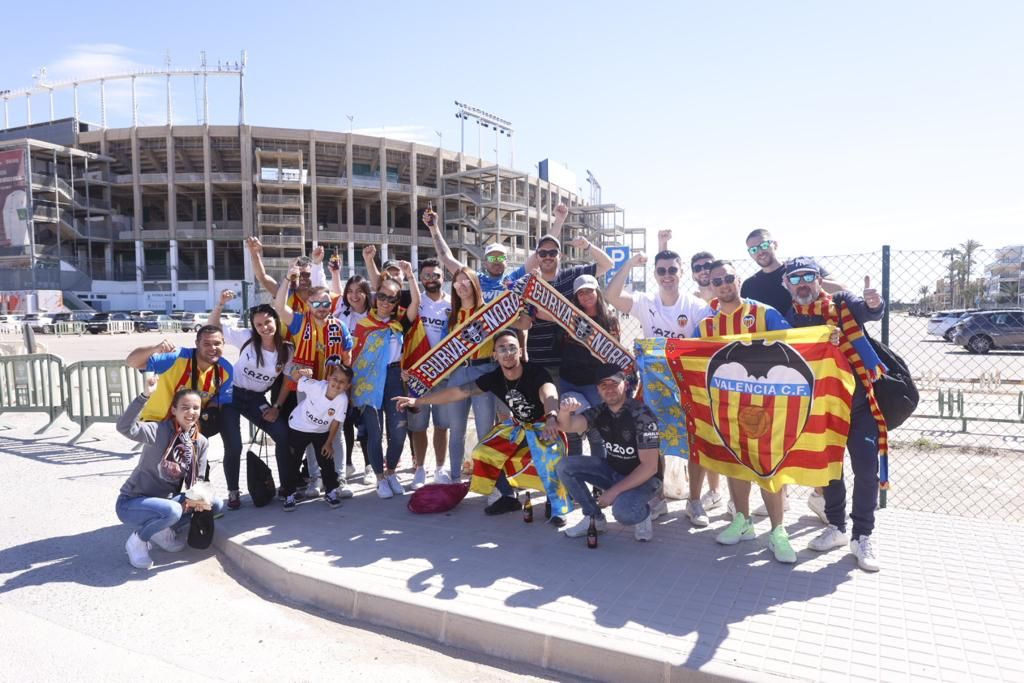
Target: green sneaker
778	543
740	529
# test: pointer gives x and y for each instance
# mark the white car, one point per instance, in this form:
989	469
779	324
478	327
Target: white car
39	322
941	323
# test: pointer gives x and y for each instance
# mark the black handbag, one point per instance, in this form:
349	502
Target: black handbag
258	477
200	532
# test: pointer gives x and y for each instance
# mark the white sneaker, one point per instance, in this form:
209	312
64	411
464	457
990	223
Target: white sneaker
695	511
138	552
383	490
343	490
168	540
581	527
369	478
313	488
816	503
711	500
828	539
419	479
864	550
349	471
441	476
658	507
396	486
644	531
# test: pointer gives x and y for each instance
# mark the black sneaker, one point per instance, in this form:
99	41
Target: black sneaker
557	521
332	500
289	503
547	510
503	505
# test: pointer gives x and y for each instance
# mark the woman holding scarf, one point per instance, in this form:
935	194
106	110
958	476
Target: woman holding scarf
376	362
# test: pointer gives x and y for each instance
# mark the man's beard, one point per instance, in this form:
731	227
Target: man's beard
432	286
805	296
728	298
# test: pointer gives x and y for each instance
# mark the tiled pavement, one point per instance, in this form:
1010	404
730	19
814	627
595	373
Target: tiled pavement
948	605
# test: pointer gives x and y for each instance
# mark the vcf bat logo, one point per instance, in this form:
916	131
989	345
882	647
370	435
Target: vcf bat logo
473	334
761	395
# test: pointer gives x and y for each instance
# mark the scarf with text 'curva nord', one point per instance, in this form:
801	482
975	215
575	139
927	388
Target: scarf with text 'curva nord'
858	351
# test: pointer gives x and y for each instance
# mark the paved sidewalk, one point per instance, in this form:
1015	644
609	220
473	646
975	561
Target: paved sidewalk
948	604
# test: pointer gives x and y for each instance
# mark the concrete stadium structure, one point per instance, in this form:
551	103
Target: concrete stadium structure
154	217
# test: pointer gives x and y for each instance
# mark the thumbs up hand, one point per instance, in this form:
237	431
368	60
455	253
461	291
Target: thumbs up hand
871	296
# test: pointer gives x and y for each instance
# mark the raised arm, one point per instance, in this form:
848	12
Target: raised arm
372	271
561	213
335	267
413	311
317	277
284	311
129	424
139	358
603	260
225	296
444	252
663	237
256	253
614	294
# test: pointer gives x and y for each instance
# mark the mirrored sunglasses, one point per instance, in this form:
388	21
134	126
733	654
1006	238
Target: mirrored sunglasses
764	246
802	277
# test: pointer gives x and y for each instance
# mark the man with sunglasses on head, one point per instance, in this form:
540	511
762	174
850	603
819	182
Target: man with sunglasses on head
766	285
673	313
435	307
736	315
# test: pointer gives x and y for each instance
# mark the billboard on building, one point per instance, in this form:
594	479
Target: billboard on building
13	200
557	174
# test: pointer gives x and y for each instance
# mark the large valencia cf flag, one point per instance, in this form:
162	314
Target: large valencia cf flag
772	408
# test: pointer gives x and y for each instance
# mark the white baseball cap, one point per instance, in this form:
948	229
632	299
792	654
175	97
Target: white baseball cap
584	282
495	248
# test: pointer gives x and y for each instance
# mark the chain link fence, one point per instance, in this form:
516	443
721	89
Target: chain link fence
962	453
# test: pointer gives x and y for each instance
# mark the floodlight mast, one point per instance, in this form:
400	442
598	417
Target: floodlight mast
484	120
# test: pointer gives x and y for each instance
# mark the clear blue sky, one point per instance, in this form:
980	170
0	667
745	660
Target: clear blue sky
838	125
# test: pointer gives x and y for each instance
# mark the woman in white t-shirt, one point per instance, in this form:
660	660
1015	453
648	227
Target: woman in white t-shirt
263	355
352	306
315	421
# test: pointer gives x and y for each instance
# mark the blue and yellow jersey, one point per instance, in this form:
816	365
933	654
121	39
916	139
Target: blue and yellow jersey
175	371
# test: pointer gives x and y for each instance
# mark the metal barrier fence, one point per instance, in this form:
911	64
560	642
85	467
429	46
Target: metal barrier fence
963	450
33	384
120	327
69	327
98	391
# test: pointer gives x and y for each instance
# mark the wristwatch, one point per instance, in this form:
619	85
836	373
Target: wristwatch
551	413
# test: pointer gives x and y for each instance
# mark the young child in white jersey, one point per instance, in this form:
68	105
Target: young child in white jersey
315	421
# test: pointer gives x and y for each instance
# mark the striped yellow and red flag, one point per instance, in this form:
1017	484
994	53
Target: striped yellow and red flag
772	408
415	345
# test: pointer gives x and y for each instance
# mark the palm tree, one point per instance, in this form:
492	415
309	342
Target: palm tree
968	248
954	254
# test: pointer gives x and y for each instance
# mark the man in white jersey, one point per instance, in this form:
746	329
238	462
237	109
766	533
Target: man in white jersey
435	307
699	270
673	313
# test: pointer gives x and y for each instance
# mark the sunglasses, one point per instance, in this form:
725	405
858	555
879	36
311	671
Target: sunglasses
764	246
662	271
802	277
506	350
430	277
727	279
702	266
547	253
496	258
387	298
319	304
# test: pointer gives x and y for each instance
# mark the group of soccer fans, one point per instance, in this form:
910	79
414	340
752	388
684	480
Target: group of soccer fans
325	366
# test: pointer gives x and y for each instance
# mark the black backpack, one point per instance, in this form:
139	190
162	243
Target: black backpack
895	390
258	478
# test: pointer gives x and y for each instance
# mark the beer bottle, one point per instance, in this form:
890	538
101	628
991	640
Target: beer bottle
592	533
528	509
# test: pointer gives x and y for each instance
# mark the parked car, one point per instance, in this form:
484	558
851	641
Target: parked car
229	318
154	322
941	323
986	330
68	316
191	320
38	321
100	322
141	314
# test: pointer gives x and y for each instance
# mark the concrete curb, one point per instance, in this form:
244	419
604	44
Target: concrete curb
601	661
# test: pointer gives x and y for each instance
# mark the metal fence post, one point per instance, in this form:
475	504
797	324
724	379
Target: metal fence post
885	295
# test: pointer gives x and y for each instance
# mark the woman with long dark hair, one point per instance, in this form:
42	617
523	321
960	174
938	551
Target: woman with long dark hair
353	306
263	355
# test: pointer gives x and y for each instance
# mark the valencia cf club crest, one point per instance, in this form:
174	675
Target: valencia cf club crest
583	329
330	412
748	321
682	320
333	359
473	334
760	394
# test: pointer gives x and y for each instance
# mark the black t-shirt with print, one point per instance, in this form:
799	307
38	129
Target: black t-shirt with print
625	433
522	395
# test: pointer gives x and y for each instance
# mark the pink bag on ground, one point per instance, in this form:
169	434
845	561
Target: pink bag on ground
437	498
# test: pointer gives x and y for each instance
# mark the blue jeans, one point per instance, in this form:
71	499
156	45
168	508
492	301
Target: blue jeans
630	507
396	425
250	404
862	444
590	393
484	408
150	515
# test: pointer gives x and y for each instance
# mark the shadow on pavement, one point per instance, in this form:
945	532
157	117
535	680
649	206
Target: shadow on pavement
58	453
680	584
